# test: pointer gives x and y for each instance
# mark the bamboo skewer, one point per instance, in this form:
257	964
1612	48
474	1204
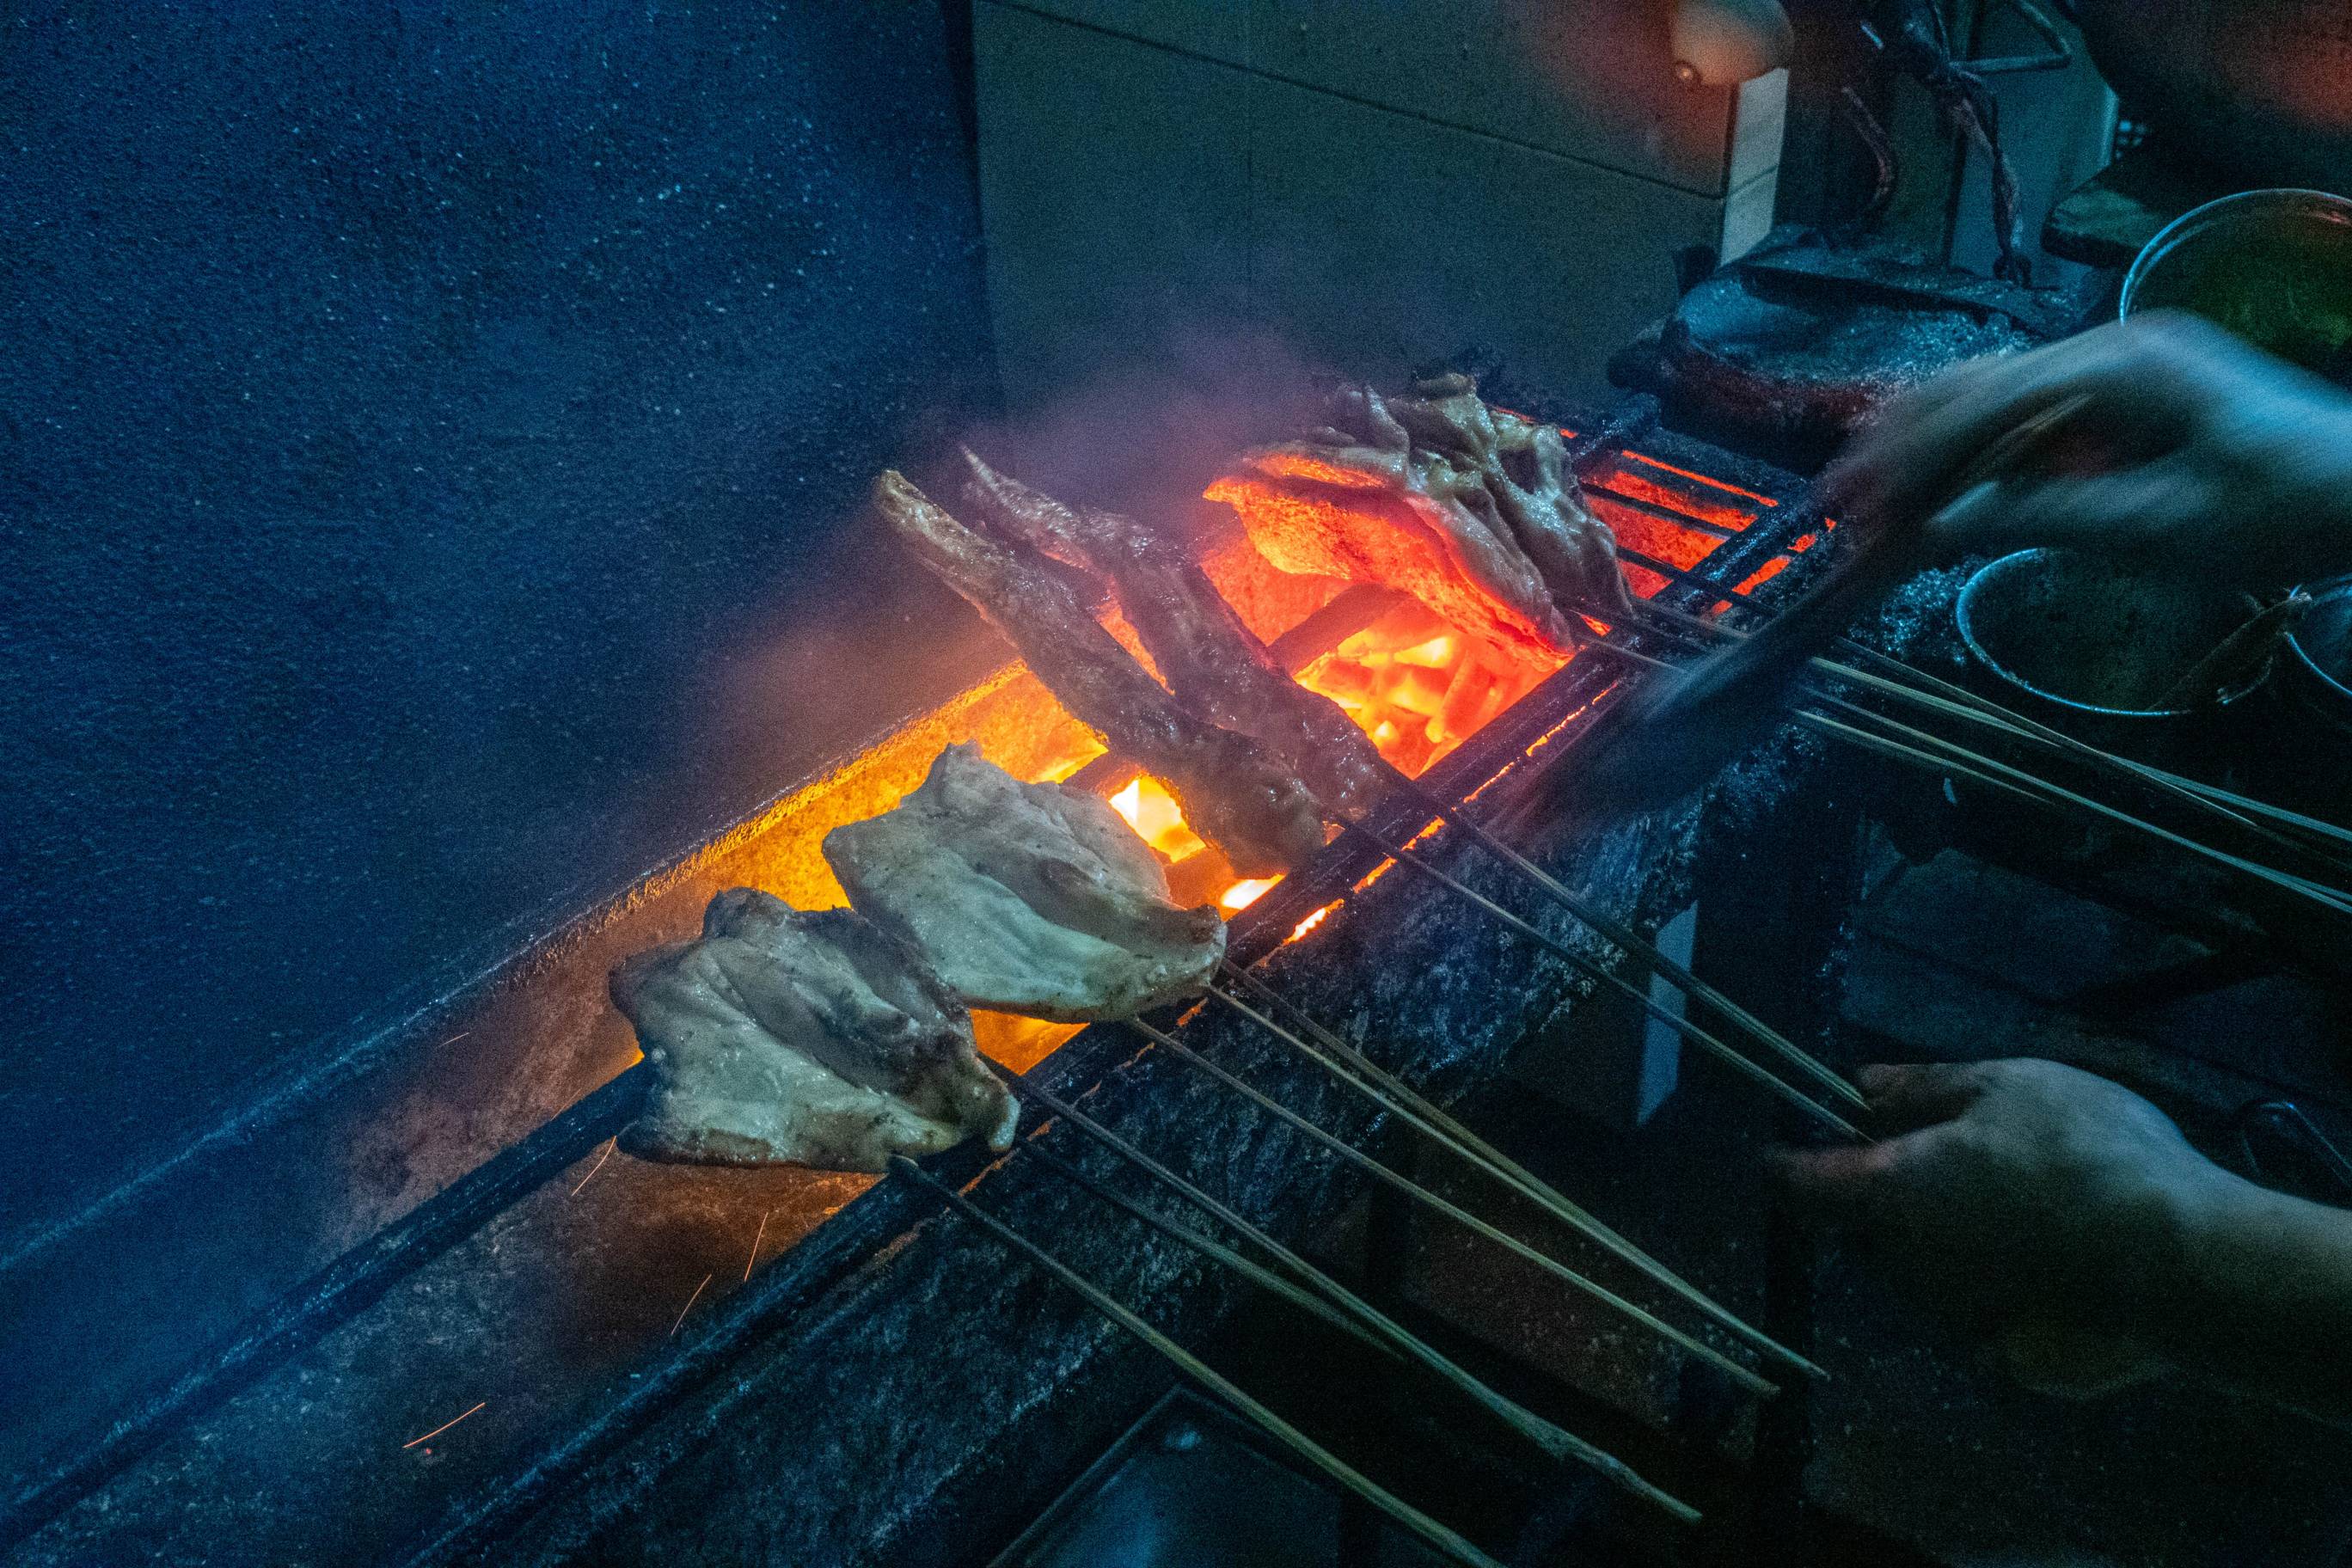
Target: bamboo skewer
1249	1268
1457	1214
1926	760
2289	830
1648	1003
1440	1538
1383	1333
1975	764
1647	953
1394	1094
2324	835
1557	1441
2292	829
2327	896
1950	757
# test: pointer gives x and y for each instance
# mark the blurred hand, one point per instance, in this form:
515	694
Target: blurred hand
2177	447
2034	1207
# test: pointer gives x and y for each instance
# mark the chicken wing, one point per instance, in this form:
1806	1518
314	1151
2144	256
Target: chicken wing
1264	819
1031	898
818	1039
1202	647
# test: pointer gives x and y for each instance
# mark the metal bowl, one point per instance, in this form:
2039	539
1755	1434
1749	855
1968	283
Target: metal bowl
2090	650
2311	764
2273	267
2319	650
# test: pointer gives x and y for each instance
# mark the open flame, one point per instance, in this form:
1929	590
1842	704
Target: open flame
1244	893
1156	819
1419	688
1416	685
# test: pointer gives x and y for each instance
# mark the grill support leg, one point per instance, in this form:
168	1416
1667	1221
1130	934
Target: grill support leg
1775	895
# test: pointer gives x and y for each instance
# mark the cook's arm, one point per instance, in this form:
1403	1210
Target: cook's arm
2265	1299
2177	446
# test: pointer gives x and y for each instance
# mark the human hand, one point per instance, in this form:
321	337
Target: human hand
2170	445
2034	1207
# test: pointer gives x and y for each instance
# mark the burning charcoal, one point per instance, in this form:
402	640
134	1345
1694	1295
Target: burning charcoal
815	1039
1031	898
1263	818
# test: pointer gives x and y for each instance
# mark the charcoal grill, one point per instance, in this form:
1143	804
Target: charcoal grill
466	1333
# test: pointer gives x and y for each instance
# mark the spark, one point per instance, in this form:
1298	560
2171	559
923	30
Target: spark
690	1300
610	1145
755	1243
438	1430
460	1035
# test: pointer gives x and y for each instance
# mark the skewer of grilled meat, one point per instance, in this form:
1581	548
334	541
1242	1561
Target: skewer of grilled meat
1262	818
1206	654
1471	508
1512	472
1035	899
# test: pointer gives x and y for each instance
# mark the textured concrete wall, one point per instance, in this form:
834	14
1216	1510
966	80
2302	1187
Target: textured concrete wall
414	421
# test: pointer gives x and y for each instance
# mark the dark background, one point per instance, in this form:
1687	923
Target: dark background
426	431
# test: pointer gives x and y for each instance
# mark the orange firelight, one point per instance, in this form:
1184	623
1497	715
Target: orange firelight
1244	893
1155	818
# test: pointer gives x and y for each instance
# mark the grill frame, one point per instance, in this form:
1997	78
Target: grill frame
275	1149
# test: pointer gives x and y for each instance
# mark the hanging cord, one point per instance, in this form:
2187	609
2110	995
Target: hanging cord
1913	35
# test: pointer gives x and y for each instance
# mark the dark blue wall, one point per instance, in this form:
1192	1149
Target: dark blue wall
416	423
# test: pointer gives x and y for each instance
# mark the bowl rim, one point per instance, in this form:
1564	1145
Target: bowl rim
2334	588
2197	219
2014	561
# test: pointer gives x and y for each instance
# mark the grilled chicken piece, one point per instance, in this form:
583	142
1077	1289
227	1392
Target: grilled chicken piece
1264	819
1512	473
1200	644
1471	510
814	1040
1030	898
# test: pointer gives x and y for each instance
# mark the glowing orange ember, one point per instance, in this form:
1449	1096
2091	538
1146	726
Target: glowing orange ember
1419	687
1244	893
1311	922
1155	818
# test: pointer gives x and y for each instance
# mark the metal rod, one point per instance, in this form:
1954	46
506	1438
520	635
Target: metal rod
2327	898
1659	510
1384	1089
1439	1537
2226	803
1674	574
335	1294
1460	1215
1647	952
1650	1004
1558	1442
1249	1268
